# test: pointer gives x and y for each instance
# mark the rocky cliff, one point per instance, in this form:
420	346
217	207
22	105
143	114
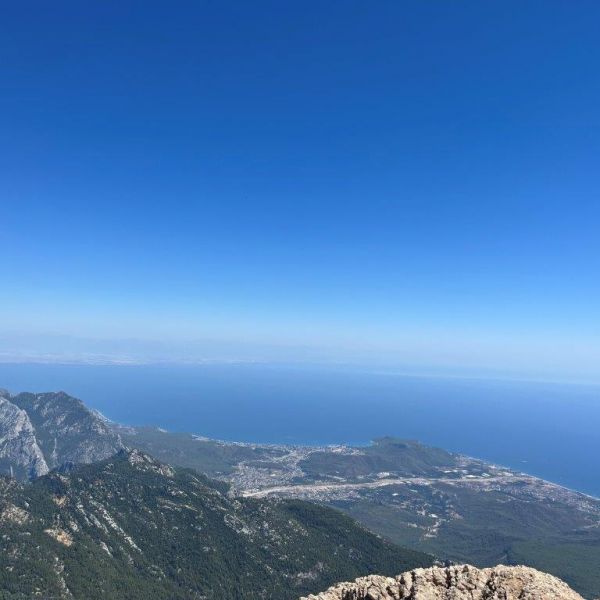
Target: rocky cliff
20	454
39	432
454	583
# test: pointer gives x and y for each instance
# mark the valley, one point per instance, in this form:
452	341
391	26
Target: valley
452	506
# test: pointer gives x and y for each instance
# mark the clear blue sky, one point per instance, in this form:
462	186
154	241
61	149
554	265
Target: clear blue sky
410	182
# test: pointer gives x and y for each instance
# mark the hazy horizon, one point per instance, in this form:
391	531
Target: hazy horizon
408	185
64	350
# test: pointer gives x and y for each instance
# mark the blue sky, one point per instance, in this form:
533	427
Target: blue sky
414	184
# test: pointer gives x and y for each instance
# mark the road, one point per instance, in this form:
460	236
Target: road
300	489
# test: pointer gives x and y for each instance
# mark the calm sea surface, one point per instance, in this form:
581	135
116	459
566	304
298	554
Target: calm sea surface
548	430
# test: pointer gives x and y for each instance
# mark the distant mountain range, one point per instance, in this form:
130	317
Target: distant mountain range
435	502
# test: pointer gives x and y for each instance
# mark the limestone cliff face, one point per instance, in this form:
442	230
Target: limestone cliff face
461	582
41	431
20	454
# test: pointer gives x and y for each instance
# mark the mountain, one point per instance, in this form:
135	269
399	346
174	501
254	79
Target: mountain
132	527
452	506
39	432
461	582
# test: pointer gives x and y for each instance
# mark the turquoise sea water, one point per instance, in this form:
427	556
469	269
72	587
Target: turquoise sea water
549	430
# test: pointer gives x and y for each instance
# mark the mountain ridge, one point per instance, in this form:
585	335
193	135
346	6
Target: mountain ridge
133	527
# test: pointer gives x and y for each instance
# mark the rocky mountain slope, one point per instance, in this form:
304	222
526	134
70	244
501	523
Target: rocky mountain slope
132	527
41	431
454	583
20	454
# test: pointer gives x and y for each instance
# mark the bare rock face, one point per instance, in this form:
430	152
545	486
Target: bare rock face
66	429
20	454
39	432
461	582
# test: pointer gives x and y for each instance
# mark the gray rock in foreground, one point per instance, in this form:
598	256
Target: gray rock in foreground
461	582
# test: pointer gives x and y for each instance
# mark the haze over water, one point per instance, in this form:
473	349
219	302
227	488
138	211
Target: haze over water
549	430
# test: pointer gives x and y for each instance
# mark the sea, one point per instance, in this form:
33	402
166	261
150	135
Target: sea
546	429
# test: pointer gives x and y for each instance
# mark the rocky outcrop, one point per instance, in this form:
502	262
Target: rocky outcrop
461	582
39	432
